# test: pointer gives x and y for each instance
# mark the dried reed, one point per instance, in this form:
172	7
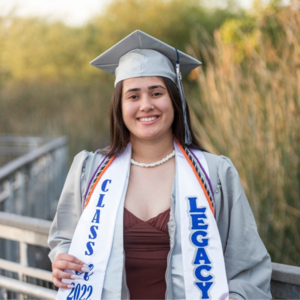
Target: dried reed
249	110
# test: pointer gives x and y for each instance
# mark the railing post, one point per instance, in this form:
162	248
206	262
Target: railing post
24	262
23	254
21	194
29	200
9	207
3	293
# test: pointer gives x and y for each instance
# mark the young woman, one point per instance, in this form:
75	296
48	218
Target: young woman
154	216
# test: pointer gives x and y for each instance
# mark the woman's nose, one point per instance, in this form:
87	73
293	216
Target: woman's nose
146	103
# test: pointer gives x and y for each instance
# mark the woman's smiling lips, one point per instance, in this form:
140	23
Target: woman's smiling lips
148	119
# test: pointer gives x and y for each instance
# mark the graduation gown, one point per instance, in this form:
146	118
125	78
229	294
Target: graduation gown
247	262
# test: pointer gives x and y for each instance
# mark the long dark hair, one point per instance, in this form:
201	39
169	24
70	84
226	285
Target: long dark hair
119	134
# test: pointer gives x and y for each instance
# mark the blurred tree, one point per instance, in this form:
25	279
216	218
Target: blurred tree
46	83
33	49
249	110
171	21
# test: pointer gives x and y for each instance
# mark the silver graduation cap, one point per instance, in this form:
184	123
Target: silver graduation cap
141	55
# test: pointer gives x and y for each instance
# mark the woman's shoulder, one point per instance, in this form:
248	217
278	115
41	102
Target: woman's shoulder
85	162
84	158
219	163
84	165
222	172
85	154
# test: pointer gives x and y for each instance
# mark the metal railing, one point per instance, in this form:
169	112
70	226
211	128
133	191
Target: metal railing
30	185
38	174
22	281
12	146
285	282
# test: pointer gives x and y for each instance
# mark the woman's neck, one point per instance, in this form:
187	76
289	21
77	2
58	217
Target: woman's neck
152	150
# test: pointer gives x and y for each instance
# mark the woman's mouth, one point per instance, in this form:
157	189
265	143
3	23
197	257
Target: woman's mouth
148	119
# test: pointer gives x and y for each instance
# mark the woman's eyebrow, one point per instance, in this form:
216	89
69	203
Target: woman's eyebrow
155	87
132	90
152	87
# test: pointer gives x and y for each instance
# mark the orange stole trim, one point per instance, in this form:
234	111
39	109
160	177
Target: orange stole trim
98	179
195	172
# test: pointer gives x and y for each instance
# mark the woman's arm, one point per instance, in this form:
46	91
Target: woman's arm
247	262
68	212
68	209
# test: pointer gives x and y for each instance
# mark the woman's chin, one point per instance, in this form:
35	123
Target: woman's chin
150	137
145	138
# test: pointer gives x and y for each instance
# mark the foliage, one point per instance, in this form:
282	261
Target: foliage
47	86
249	109
172	21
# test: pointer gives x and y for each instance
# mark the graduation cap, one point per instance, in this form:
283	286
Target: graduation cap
140	55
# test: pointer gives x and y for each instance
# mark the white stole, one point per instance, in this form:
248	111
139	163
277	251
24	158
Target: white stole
203	262
202	255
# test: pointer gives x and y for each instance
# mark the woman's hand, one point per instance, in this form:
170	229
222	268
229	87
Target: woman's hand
66	261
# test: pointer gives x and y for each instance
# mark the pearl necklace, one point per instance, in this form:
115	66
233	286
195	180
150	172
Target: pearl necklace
160	162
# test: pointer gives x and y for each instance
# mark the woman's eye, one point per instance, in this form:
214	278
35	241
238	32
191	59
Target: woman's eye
156	94
133	97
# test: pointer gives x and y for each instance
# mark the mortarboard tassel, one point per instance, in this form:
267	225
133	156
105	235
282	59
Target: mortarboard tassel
188	139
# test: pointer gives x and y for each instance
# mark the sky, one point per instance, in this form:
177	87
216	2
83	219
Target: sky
72	12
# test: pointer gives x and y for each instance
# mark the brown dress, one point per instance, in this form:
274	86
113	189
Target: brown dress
146	245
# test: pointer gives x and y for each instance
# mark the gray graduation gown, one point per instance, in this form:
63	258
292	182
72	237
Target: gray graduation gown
247	262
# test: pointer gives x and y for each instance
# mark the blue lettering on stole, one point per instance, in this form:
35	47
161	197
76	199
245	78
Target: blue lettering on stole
93	230
204	288
96	219
89	246
197	222
104	184
193	206
201	255
199	274
100	200
200	239
86	275
195	240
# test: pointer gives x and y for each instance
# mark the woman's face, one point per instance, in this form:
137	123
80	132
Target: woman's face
147	109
